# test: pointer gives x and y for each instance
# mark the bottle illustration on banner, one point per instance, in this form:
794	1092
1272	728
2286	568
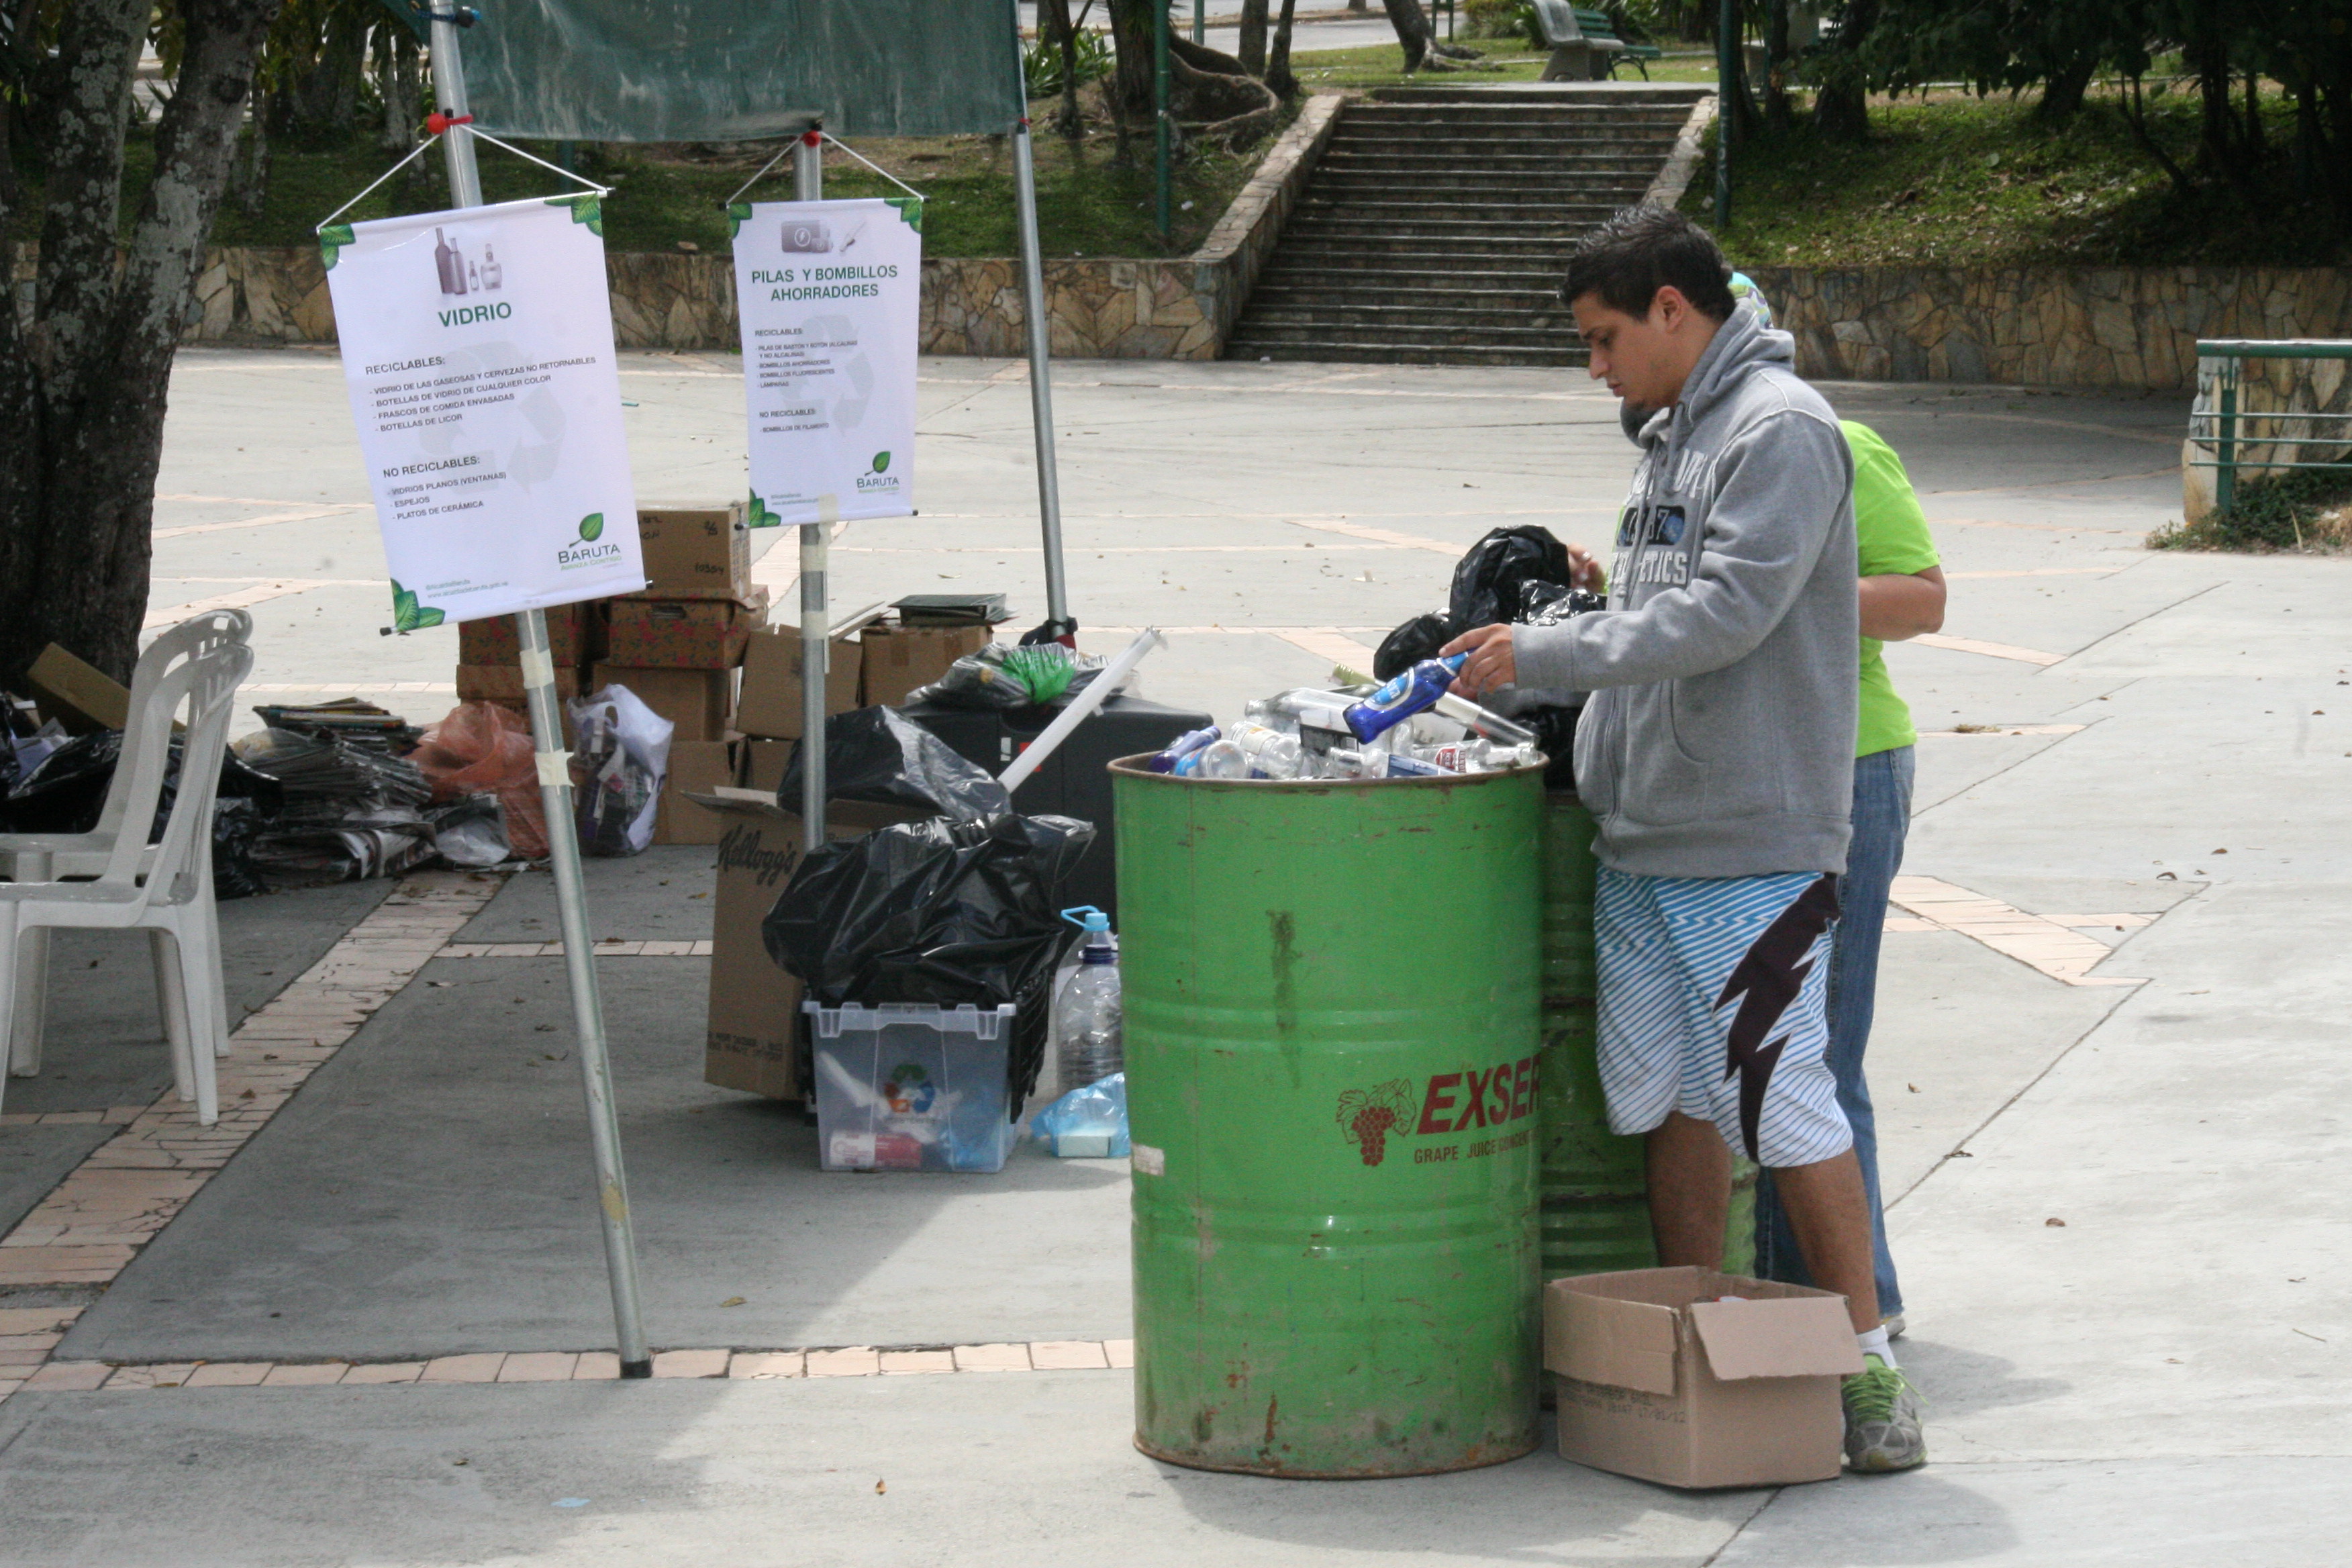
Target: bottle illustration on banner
474	273
450	262
492	271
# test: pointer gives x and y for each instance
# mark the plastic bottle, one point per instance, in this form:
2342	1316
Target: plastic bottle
1272	754
1369	763
1418	687
1184	746
1087	1015
1217	759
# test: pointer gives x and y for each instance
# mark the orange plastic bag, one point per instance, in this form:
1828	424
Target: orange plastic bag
484	749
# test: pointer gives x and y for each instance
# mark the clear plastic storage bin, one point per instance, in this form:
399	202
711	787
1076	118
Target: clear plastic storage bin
911	1087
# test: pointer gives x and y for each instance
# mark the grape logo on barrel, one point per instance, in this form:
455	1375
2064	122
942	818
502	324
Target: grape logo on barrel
1369	1115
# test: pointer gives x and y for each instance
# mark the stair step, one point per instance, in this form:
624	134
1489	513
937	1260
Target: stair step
1433	323
1338	351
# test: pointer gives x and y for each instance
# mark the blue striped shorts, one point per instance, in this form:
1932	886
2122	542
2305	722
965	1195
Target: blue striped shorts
1712	1002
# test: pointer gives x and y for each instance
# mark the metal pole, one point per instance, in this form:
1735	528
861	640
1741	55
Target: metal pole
1727	63
562	838
1041	382
816	645
1162	131
1200	21
2225	451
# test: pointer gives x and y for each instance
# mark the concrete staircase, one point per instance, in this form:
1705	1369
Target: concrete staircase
1435	226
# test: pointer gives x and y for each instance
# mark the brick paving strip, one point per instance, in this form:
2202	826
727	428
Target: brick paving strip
2049	944
119	1198
27	1333
131	1187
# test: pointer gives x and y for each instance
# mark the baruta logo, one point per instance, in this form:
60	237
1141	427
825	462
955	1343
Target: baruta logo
879	477
587	549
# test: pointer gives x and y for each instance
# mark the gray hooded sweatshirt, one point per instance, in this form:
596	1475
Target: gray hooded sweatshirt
1719	737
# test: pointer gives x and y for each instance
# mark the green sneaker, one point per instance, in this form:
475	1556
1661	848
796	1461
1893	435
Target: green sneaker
1882	1420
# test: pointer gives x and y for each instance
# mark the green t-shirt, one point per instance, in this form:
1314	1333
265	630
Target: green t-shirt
1890	538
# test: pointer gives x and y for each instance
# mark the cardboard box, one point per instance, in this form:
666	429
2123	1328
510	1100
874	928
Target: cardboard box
493	640
502	684
682	633
698	701
694	553
696	767
1660	1380
897	659
77	694
761	765
772	682
752	1036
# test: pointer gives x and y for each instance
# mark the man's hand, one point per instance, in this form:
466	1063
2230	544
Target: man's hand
1584	569
1492	662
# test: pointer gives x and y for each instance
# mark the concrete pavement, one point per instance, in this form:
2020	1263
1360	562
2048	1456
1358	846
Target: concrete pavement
2126	749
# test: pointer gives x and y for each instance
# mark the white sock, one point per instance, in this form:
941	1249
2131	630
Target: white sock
1874	1343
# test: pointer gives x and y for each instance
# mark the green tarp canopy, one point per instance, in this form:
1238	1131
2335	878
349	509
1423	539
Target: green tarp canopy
735	70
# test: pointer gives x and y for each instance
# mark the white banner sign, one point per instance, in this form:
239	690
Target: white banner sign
830	296
477	349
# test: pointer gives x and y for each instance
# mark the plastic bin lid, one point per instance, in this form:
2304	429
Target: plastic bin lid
858	1018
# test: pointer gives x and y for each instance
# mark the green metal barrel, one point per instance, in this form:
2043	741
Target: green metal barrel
1331	994
1596	1210
1596	1207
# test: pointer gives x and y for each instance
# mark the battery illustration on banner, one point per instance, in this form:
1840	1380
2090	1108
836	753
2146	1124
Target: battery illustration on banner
828	295
806	236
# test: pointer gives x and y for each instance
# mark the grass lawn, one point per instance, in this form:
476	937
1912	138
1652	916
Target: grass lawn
668	194
1957	181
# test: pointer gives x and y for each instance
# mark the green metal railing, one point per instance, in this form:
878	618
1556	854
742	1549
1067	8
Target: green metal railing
2223	426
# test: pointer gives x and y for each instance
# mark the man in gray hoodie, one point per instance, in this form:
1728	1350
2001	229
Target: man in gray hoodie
1717	752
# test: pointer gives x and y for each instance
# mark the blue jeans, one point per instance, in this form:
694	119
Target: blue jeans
1881	813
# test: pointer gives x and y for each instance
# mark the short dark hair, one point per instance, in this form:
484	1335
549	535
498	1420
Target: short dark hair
1643	249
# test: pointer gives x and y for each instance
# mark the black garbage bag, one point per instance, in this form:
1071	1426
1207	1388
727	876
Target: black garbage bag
880	756
1416	640
236	823
66	792
1489	577
1548	604
938	911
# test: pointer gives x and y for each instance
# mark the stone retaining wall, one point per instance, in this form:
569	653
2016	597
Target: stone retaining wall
1099	308
2119	327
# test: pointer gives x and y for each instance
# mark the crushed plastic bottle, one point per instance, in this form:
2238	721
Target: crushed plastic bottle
1089	1123
1184	746
1088	1014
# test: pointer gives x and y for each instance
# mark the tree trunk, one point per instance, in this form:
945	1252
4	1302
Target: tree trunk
1412	30
1776	65
83	383
1278	75
2063	93
1054	25
1252	49
1132	23
1841	111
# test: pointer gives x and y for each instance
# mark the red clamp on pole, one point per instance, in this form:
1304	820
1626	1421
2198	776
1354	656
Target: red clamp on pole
811	137
438	123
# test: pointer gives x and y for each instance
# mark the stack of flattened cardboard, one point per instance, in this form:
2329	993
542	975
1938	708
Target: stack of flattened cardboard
1699	1379
677	645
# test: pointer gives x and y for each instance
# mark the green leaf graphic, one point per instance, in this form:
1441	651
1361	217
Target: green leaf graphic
881	462
738	215
910	208
408	615
761	517
591	527
332	240
586	207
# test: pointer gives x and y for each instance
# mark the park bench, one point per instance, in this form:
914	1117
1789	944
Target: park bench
1584	44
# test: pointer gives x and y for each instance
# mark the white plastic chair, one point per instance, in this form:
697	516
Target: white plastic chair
163	888
43	856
